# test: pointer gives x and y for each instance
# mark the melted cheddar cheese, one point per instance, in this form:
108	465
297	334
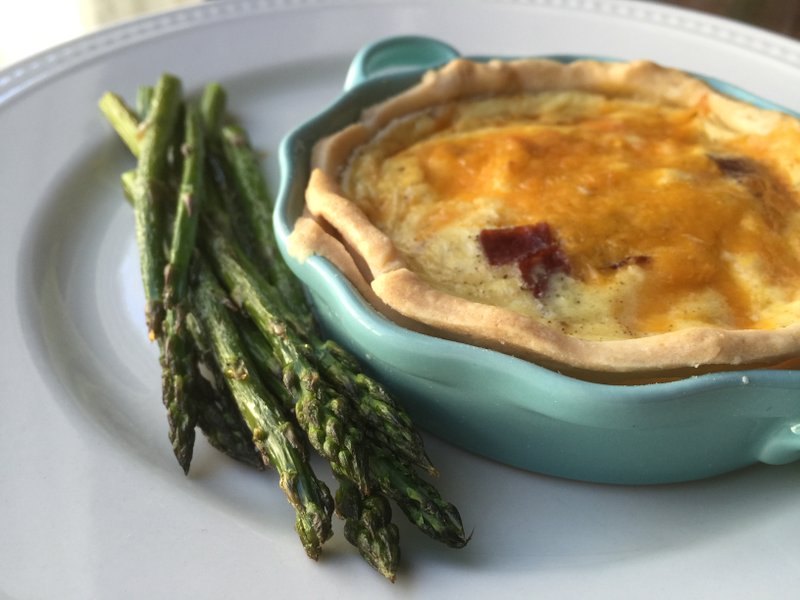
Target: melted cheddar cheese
616	179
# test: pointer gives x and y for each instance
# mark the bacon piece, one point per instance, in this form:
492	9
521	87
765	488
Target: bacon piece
533	247
510	244
539	267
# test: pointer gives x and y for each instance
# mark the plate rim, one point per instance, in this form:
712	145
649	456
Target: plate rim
84	579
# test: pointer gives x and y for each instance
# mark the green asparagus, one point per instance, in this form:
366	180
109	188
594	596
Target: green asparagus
380	415
323	414
190	199
212	108
383	421
148	190
245	168
144	99
150	193
125	121
419	500
368	526
217	413
177	355
240	352
274	434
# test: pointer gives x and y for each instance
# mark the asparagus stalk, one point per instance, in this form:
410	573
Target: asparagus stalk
177	353
378	412
268	364
176	385
212	103
380	415
384	422
323	414
217	413
144	98
212	108
190	200
219	420
420	501
149	192
274	434
368	526
251	186
345	413
122	118
245	167
176	356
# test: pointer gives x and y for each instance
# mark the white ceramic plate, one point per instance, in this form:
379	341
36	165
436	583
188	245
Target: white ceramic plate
92	504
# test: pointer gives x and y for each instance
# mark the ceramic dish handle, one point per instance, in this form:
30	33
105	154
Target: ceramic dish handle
397	53
782	447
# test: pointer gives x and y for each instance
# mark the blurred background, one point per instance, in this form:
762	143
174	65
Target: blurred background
34	25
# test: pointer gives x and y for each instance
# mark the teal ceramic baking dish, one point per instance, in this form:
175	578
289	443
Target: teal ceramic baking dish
514	411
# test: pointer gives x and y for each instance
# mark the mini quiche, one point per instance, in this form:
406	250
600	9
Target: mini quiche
613	221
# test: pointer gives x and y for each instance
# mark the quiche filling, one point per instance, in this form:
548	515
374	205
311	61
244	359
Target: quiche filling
619	222
603	217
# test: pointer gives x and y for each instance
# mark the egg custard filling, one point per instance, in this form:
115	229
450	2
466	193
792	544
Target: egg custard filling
591	216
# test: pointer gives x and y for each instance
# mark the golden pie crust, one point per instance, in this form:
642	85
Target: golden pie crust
372	246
